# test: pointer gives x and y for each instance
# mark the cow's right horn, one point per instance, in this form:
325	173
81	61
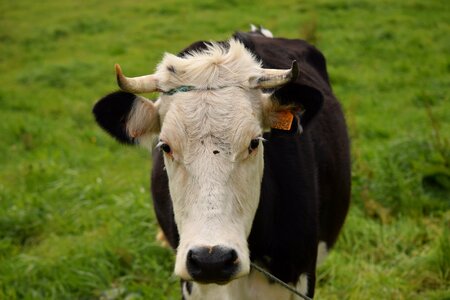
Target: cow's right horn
141	84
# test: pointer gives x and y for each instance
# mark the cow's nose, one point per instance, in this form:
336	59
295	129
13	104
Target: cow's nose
212	264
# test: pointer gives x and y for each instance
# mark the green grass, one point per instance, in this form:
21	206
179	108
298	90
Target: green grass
76	220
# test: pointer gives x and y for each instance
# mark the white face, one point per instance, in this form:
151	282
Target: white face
214	174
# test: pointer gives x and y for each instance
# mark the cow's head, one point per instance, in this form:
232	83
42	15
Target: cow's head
209	121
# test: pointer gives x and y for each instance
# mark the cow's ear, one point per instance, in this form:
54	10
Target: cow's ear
300	101
127	117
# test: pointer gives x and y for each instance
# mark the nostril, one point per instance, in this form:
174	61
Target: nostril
212	264
192	259
231	257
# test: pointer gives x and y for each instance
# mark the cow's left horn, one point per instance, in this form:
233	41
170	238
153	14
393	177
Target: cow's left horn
141	84
272	78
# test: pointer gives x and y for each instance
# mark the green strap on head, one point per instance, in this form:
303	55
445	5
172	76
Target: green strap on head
183	88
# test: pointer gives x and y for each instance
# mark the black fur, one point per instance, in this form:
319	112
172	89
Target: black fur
162	203
111	113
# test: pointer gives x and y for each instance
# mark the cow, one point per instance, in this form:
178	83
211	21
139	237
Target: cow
251	162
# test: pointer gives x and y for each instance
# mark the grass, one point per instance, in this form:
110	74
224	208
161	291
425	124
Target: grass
76	221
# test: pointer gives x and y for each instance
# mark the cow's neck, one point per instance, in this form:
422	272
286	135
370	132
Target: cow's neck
286	220
253	286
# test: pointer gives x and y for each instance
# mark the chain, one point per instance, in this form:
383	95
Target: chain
279	281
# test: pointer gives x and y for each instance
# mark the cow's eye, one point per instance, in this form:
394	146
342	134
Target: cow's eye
253	144
166	148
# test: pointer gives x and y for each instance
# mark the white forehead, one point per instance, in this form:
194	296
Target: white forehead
213	67
227	116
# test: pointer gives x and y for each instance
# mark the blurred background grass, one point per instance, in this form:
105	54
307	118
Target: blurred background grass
76	221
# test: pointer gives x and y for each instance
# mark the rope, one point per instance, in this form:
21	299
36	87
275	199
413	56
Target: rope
282	283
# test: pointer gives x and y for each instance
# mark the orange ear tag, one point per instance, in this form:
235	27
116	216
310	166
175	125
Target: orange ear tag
283	120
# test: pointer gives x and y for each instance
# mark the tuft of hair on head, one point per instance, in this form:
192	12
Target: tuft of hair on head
219	65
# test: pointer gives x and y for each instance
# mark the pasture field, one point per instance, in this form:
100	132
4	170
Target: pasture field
76	219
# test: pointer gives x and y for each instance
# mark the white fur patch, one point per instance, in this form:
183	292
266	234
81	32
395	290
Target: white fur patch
143	118
322	252
266	32
302	286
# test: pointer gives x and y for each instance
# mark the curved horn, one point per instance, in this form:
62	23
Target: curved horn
141	84
273	77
